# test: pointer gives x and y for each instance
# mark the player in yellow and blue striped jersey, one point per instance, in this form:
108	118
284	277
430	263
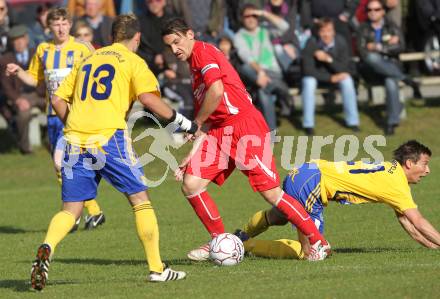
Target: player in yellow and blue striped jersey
51	63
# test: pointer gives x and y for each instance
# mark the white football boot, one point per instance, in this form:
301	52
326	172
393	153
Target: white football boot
199	254
319	252
168	274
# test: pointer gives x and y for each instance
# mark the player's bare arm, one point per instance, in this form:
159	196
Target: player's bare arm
413	232
61	108
422	226
210	103
13	69
157	106
279	22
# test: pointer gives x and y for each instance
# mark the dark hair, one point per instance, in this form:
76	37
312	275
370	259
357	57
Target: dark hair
44	7
125	27
324	22
81	24
247	6
58	13
382	3
224	37
175	26
410	150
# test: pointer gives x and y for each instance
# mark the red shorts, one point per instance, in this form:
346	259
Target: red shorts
244	145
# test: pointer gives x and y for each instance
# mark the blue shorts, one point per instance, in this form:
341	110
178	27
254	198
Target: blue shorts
304	184
55	133
116	162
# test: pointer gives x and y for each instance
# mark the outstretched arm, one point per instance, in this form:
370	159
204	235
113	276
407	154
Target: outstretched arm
13	69
419	228
159	107
278	21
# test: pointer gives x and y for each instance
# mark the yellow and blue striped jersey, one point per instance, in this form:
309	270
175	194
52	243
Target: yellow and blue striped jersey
359	182
101	90
52	64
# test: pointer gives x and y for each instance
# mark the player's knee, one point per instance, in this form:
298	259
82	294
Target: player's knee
138	198
74	208
188	189
272	195
190	186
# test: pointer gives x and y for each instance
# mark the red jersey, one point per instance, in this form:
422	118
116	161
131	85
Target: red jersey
208	64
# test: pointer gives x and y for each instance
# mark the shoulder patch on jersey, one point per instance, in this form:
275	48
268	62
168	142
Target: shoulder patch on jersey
42	46
208	67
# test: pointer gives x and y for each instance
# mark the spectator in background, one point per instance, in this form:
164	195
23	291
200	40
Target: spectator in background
39	31
232	17
226	45
20	97
380	42
173	74
77	8
326	62
232	13
5	23
428	17
261	67
83	32
152	47
177	83
394	11
286	45
340	11
393	8
101	24
205	17
361	11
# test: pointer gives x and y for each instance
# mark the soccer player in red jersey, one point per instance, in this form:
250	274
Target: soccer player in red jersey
236	136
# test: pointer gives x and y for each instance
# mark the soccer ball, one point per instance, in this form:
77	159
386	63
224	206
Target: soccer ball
226	250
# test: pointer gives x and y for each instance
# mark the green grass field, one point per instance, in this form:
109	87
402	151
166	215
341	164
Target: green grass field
373	257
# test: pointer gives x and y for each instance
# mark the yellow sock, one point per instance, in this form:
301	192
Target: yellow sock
59	227
59	177
92	207
257	224
148	232
282	249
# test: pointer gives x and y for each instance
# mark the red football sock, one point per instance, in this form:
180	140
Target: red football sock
295	213
208	213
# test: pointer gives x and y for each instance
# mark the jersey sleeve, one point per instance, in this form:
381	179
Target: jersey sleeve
36	69
144	80
397	193
65	91
209	66
400	200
